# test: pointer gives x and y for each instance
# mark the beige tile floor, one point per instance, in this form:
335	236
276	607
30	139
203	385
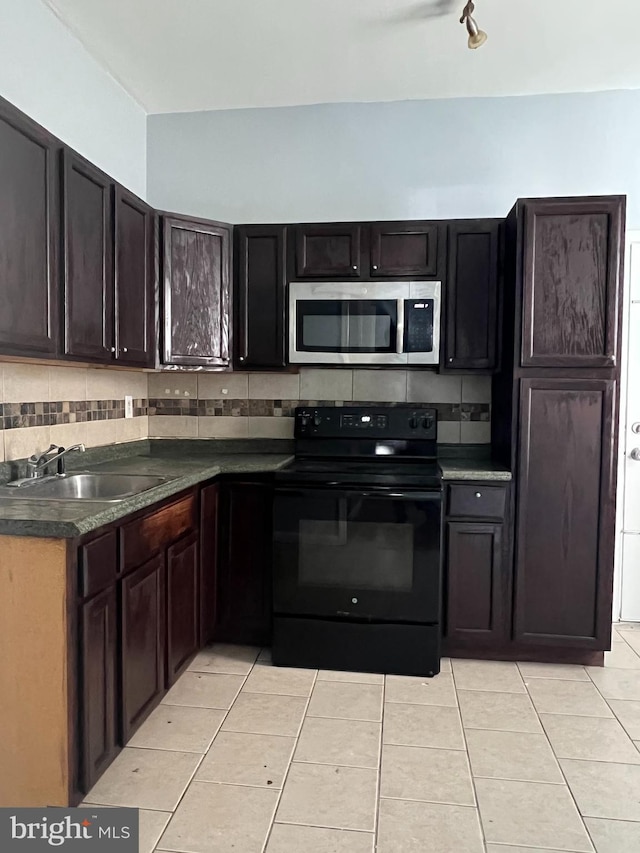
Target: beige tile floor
488	757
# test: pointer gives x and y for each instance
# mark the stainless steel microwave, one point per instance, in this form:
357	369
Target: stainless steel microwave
375	323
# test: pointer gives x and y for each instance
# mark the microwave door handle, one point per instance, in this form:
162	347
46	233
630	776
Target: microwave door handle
400	327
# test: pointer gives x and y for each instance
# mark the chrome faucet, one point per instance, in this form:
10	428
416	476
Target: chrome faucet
37	465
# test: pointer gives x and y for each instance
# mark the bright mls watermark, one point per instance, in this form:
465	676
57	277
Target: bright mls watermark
79	830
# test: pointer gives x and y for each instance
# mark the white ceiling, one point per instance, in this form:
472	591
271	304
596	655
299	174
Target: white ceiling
179	55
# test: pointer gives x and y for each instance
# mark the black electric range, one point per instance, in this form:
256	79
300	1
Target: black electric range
357	542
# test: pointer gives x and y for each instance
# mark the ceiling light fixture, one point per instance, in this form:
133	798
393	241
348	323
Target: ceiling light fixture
477	37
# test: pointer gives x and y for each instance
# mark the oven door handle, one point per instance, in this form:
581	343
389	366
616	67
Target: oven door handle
385	493
403	495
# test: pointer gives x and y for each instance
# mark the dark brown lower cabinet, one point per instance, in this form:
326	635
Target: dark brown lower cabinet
98	696
208	561
182	605
142	642
243	613
566	512
475	588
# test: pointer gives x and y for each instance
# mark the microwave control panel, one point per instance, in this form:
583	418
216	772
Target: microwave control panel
392	422
418	319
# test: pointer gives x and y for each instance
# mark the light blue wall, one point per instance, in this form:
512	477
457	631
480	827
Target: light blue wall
412	159
47	73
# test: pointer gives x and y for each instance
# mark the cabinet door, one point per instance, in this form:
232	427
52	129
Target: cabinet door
182	605
475	595
29	279
404	249
134	280
142	643
197	260
244	574
88	261
97	700
259	338
328	251
572	258
566	512
472	295
209	505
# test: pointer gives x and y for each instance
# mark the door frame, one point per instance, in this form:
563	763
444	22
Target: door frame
632	238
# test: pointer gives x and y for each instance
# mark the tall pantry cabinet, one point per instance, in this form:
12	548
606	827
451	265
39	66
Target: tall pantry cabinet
555	411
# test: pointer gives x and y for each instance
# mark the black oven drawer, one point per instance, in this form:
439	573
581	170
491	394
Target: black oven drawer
356	646
360	555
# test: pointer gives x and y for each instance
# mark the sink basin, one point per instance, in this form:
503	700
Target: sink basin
87	487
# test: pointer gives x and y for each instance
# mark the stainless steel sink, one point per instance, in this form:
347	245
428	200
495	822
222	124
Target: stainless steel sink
86	487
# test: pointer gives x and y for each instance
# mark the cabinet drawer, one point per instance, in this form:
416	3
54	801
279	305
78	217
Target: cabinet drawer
144	537
477	501
97	564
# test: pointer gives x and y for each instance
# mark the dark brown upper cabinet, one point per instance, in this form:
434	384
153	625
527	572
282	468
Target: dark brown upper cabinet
109	269
572	258
471	295
29	229
260	296
404	249
88	261
329	251
197	267
565	512
134	280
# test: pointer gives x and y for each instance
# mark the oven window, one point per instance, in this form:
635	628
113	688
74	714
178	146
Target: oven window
356	555
346	325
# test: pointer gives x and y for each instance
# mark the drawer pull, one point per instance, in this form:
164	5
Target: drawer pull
478	494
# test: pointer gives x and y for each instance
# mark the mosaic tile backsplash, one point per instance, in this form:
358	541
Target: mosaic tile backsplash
40	405
262	404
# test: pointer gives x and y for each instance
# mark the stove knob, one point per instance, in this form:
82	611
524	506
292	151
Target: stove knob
427	422
304	420
414	423
317	420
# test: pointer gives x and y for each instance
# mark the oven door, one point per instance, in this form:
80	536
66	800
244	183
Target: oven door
366	554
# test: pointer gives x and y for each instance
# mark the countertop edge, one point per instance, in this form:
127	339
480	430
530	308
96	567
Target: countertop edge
113	512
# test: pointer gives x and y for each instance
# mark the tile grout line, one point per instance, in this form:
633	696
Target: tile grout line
376	816
466	751
204	754
286	775
562	773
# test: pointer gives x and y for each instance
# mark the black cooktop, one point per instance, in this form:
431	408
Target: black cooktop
338	471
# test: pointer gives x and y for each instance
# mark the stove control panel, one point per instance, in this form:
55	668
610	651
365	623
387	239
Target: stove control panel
391	422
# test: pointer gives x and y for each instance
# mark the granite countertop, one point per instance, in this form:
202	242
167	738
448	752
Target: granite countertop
184	464
473	470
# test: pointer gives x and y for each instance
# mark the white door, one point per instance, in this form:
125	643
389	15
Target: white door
630	446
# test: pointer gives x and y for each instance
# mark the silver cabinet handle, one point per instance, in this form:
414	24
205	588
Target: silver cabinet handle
125	349
478	494
635	454
635	427
400	327
375	266
113	349
354	267
241	358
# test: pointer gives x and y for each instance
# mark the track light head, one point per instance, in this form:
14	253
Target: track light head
477	37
